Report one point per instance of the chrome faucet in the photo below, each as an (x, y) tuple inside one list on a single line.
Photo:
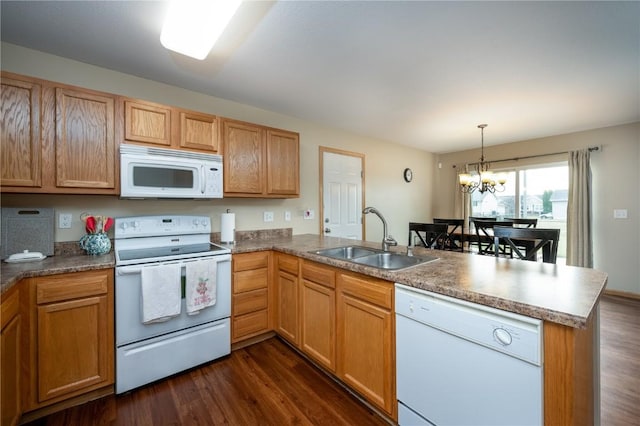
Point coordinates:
[(387, 240)]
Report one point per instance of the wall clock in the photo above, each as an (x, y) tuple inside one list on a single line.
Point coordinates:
[(408, 175)]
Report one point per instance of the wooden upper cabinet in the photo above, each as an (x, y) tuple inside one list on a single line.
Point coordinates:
[(164, 126), (243, 145), (85, 139), (283, 163), (147, 122), (20, 136), (199, 131), (259, 161)]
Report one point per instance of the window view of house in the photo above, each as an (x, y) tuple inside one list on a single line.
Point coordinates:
[(534, 192)]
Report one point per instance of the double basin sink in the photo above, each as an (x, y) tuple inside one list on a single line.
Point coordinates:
[(373, 257)]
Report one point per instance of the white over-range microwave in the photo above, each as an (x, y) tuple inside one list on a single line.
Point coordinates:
[(168, 173)]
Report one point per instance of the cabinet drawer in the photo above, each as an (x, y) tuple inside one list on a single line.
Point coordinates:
[(246, 261), (250, 301), (250, 280), (319, 274), (372, 290), (288, 263), (252, 323), (71, 286)]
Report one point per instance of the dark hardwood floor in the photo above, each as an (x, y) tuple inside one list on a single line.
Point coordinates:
[(264, 384), (270, 384), (620, 361)]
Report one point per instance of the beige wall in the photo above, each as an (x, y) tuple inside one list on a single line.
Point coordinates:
[(616, 182), (384, 186)]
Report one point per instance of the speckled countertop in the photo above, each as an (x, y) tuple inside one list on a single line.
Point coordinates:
[(11, 273), (561, 294)]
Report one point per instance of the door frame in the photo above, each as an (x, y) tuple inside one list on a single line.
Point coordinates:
[(321, 151)]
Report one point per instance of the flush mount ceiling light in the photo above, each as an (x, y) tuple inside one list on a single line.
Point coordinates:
[(484, 179), (192, 27)]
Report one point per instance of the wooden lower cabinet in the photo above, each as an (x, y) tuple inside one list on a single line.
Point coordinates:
[(366, 339), (10, 355), (287, 294), (250, 306), (318, 313), (71, 335)]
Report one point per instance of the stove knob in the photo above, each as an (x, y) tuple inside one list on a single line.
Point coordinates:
[(204, 222), (136, 224), (195, 222)]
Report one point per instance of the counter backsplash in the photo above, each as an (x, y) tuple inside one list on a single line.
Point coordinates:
[(67, 248)]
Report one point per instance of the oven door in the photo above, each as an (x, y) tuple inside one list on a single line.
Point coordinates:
[(129, 326)]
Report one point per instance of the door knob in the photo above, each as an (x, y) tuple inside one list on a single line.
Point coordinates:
[(327, 230)]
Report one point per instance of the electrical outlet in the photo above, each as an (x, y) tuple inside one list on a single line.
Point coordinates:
[(64, 220), (287, 216), (268, 216)]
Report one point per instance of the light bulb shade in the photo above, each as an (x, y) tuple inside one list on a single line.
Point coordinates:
[(465, 179), (192, 27), (486, 176)]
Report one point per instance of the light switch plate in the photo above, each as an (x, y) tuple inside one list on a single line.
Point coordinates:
[(309, 214), (619, 213), (287, 216)]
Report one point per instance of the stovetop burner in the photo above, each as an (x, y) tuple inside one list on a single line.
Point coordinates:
[(144, 239)]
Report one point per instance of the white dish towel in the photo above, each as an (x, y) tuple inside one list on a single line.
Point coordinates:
[(161, 293), (200, 289)]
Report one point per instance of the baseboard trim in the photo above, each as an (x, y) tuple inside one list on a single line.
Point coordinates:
[(625, 294)]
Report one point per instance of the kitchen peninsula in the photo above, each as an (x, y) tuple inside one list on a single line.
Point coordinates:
[(564, 298)]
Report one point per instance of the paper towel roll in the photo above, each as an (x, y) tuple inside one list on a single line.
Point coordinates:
[(228, 228)]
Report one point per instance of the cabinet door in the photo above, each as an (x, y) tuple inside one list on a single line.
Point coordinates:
[(199, 131), (72, 346), (283, 171), (10, 361), (85, 142), (74, 339), (147, 122), (365, 342), (287, 299), (243, 145), (318, 323), (20, 140)]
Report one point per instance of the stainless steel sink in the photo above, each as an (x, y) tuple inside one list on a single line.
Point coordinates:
[(347, 252), (392, 260), (373, 257)]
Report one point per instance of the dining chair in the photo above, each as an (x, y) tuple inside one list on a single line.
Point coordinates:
[(431, 235), (455, 233), (529, 240), (484, 236), (519, 222)]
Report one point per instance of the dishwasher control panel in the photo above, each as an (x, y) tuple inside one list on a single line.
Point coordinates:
[(513, 334)]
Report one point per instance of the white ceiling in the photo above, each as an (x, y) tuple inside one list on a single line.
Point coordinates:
[(423, 74)]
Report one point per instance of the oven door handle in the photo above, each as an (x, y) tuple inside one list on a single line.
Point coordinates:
[(137, 269)]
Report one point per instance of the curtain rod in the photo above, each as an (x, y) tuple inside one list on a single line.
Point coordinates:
[(591, 149)]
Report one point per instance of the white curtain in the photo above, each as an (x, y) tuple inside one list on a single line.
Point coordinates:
[(579, 244)]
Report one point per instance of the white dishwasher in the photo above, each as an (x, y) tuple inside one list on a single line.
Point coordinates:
[(460, 363)]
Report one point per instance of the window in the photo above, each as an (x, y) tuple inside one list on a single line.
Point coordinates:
[(530, 192)]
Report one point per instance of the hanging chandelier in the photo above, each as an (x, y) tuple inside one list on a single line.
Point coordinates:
[(483, 179)]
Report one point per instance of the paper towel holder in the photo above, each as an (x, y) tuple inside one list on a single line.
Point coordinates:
[(228, 227)]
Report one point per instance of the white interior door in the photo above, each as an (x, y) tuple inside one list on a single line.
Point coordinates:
[(342, 195)]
